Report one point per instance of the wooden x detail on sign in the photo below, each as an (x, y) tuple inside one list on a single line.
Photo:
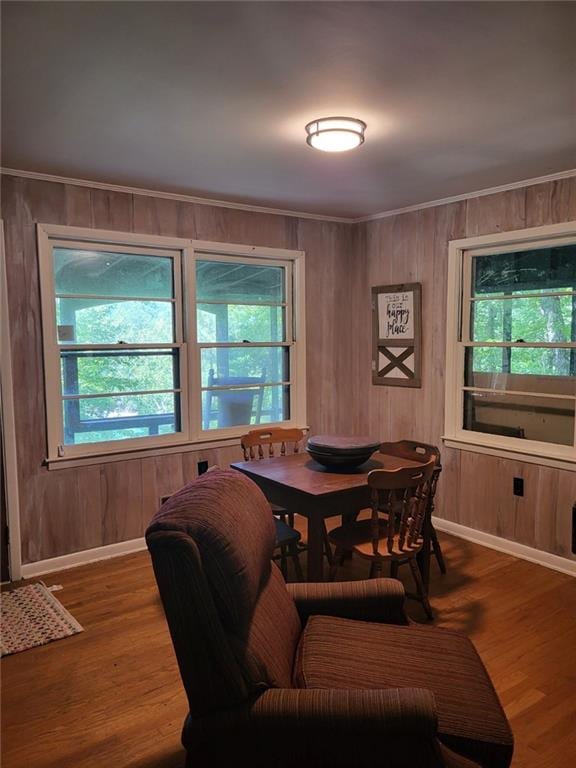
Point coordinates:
[(396, 361)]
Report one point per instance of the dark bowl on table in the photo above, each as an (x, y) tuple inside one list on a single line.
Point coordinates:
[(340, 452)]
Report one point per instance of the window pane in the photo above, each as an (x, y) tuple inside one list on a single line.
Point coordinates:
[(503, 382), (237, 322), (240, 365), (90, 373), (252, 405), (98, 419), (534, 418), (548, 318), (532, 271), (112, 274), (101, 321), (234, 282), (527, 361)]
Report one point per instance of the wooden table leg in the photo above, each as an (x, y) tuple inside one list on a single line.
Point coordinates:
[(315, 548)]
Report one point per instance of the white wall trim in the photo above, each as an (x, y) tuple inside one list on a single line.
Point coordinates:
[(62, 563), (170, 195), (548, 560), (67, 462), (279, 211), (8, 424), (467, 195)]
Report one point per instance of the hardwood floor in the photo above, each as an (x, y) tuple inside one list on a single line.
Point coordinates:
[(111, 696)]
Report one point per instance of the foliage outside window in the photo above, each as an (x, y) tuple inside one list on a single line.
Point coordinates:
[(119, 368), (514, 365), (244, 349), (148, 345)]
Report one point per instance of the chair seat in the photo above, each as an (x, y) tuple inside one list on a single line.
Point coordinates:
[(357, 537), (285, 534), (342, 653)]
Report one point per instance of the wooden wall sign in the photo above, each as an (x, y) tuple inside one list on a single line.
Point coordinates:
[(396, 335)]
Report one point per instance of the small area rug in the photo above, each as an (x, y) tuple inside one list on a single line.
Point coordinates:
[(32, 616)]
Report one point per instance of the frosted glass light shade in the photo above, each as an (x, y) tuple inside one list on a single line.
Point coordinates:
[(335, 134)]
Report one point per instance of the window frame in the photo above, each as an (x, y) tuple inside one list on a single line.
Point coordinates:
[(184, 253), (295, 327), (460, 255)]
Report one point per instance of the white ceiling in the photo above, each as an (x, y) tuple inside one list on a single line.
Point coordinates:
[(211, 99)]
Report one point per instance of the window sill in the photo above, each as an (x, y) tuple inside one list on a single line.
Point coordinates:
[(68, 462), (530, 454), (198, 446)]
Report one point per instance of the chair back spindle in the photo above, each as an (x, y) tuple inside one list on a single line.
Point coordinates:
[(262, 442), (404, 494)]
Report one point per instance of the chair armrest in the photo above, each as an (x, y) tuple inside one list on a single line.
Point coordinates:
[(380, 600)]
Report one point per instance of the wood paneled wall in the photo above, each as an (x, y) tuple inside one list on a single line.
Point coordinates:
[(476, 489), (69, 510)]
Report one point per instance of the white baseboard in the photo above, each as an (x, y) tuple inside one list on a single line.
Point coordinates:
[(30, 570), (548, 560), (555, 562)]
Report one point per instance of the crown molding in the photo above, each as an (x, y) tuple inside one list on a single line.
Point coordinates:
[(279, 211), (171, 196), (468, 195)]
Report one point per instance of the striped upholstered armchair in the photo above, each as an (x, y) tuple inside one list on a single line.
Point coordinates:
[(307, 674)]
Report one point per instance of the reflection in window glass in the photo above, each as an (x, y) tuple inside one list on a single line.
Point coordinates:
[(244, 406), (235, 282), (533, 271), (97, 273), (544, 419)]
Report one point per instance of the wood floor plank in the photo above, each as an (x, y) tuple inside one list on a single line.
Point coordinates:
[(112, 695)]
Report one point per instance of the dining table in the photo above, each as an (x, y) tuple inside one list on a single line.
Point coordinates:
[(305, 487)]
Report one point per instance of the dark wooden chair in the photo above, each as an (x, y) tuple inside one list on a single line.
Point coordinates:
[(267, 443), (399, 501), (415, 451), (288, 541)]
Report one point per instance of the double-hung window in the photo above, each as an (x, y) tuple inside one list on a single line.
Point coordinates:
[(244, 330), (511, 347), (152, 342)]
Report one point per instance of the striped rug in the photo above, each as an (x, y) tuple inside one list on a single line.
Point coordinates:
[(32, 616)]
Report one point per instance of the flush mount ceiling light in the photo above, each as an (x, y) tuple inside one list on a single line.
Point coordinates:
[(335, 134)]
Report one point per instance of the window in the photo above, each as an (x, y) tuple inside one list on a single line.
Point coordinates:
[(152, 342), (511, 356), (244, 340)]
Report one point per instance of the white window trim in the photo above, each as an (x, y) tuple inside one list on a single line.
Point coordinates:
[(184, 252), (295, 324), (454, 435)]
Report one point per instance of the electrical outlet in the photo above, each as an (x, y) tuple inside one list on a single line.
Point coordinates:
[(518, 486)]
